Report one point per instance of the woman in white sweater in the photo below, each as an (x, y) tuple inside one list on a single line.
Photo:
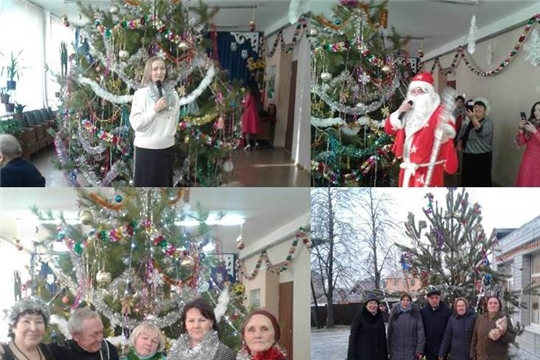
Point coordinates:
[(154, 117)]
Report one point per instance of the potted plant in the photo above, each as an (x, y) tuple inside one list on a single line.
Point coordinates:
[(4, 96), (19, 108), (10, 126), (13, 71), (10, 107)]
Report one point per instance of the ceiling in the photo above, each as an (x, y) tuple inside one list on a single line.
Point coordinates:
[(264, 210), (234, 15), (439, 22)]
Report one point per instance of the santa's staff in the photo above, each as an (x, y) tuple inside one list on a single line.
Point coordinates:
[(448, 106)]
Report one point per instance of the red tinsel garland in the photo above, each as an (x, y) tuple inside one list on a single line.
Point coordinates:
[(271, 354)]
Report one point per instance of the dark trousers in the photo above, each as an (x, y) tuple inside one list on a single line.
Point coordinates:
[(153, 167), (432, 357), (476, 170)]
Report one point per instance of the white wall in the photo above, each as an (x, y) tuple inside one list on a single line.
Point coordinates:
[(511, 91), (282, 61), (278, 244)]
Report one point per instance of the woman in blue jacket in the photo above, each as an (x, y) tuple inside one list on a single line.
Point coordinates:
[(459, 331)]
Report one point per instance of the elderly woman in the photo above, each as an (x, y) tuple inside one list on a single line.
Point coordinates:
[(260, 334), (459, 330), (28, 320), (475, 140), (199, 338), (146, 343), (368, 333), (492, 333), (406, 338)]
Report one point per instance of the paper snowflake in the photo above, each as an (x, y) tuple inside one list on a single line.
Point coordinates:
[(364, 78), (533, 47), (385, 111)]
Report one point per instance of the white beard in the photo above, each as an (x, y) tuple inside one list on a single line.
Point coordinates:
[(424, 105)]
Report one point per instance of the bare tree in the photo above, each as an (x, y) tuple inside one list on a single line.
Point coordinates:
[(334, 242), (378, 230)]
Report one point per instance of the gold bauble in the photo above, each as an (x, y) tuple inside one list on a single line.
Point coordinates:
[(114, 9), (386, 68), (183, 45), (86, 217), (187, 262), (103, 277)]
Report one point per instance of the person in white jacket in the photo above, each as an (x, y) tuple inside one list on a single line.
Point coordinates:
[(154, 117)]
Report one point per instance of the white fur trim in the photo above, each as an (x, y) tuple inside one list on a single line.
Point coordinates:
[(486, 102), (423, 85)]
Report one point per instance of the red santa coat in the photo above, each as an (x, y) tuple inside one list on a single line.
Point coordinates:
[(415, 149)]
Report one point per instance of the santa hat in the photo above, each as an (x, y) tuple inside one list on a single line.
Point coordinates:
[(423, 80)]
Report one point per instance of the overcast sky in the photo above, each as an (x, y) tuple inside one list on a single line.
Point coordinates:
[(501, 207)]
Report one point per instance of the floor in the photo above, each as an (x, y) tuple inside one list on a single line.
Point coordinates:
[(265, 167)]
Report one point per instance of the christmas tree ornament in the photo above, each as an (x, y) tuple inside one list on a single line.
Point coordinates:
[(118, 198), (114, 9), (187, 262), (313, 32), (86, 217), (326, 76), (228, 166), (123, 55), (386, 68), (103, 278), (240, 243), (252, 25), (183, 45)]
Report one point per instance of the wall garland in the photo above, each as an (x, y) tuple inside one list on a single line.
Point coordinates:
[(460, 54)]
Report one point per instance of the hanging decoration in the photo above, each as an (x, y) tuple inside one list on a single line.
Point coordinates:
[(301, 27), (460, 54), (533, 47), (301, 235), (471, 39)]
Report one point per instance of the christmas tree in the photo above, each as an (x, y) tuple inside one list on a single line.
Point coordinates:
[(358, 79), (95, 139), (134, 259), (452, 252)]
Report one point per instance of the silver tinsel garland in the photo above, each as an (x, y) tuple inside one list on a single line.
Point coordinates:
[(205, 350), (32, 304)]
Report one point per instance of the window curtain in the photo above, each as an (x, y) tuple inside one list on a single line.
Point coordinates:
[(22, 28), (234, 49)]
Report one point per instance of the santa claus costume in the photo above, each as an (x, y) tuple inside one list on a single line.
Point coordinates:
[(415, 135)]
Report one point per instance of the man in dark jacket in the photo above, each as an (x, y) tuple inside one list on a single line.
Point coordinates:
[(14, 170), (435, 316), (86, 328)]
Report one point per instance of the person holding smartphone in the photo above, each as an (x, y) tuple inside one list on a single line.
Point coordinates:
[(529, 136)]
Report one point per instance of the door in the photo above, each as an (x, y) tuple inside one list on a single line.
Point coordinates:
[(292, 106), (286, 317)]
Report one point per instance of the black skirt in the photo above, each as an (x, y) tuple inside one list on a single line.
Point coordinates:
[(476, 170), (153, 168)]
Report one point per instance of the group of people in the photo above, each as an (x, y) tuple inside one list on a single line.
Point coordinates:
[(198, 340), (434, 332), (418, 129)]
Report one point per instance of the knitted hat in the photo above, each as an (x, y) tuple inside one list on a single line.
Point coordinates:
[(371, 297)]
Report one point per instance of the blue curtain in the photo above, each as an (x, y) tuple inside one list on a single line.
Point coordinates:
[(234, 49)]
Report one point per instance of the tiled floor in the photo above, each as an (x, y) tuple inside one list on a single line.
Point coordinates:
[(256, 168)]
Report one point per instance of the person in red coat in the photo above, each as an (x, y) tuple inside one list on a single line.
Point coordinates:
[(414, 124), (250, 116)]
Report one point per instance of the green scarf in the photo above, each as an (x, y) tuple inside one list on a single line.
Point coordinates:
[(132, 355)]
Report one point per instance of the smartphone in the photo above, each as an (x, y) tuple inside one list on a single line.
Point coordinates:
[(523, 116), (470, 105)]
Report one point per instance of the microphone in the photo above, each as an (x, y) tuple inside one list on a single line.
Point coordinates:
[(159, 86), (402, 114)]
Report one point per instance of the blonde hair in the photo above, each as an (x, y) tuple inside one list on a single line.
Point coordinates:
[(145, 326), (148, 69)]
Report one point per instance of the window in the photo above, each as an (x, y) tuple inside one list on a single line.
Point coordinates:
[(535, 299)]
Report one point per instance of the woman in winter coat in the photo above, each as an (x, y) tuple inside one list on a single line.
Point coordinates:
[(459, 330), (492, 333), (368, 334), (406, 338)]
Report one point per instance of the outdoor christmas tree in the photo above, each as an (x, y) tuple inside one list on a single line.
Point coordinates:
[(452, 252), (358, 78), (133, 260), (95, 139)]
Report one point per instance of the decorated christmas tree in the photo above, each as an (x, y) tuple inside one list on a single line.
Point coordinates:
[(134, 259), (358, 78), (95, 140), (452, 252)]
